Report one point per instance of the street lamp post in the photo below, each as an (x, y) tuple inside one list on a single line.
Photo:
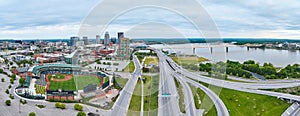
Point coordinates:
[(20, 106)]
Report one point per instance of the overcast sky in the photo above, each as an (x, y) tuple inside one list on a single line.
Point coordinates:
[(37, 19)]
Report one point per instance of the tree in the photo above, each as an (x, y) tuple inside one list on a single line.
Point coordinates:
[(7, 102), (11, 96), (7, 91), (81, 113), (9, 86), (12, 81), (31, 114), (22, 81), (13, 76), (2, 79), (78, 107)]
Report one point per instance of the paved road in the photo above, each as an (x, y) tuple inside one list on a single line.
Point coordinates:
[(263, 81), (168, 97), (247, 87), (17, 109), (220, 106), (190, 108), (189, 102), (293, 110), (120, 108)]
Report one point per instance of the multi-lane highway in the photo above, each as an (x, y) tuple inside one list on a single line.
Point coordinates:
[(247, 87), (190, 107), (121, 106), (168, 96), (220, 106), (189, 101)]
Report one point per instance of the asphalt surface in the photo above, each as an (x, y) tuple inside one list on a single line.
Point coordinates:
[(246, 87), (120, 108), (220, 106), (190, 107), (168, 104)]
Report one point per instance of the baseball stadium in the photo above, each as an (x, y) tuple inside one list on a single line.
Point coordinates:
[(63, 82)]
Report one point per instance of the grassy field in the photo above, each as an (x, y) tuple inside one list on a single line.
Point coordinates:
[(135, 102), (65, 85), (181, 96), (188, 60), (130, 67), (242, 103), (121, 81), (151, 95), (205, 102), (83, 81), (151, 60)]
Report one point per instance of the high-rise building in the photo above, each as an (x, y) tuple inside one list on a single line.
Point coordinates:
[(97, 39), (120, 35), (106, 39), (124, 49), (85, 40), (73, 40), (79, 43), (113, 40)]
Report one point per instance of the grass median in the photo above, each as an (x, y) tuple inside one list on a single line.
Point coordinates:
[(202, 101), (151, 85), (181, 96), (135, 102), (130, 67)]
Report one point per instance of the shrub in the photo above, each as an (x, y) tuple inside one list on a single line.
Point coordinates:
[(31, 114), (40, 106), (7, 102), (60, 105), (23, 101), (78, 107), (81, 113), (98, 62), (57, 105)]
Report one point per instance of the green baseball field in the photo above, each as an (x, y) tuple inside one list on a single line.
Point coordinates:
[(80, 80)]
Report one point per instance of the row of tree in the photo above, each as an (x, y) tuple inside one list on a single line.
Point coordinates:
[(243, 69)]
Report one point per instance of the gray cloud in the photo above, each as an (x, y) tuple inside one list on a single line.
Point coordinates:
[(234, 18)]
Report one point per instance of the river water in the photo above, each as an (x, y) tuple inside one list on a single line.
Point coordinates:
[(278, 58)]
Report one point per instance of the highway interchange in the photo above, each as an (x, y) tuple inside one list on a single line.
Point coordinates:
[(247, 87), (168, 99)]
